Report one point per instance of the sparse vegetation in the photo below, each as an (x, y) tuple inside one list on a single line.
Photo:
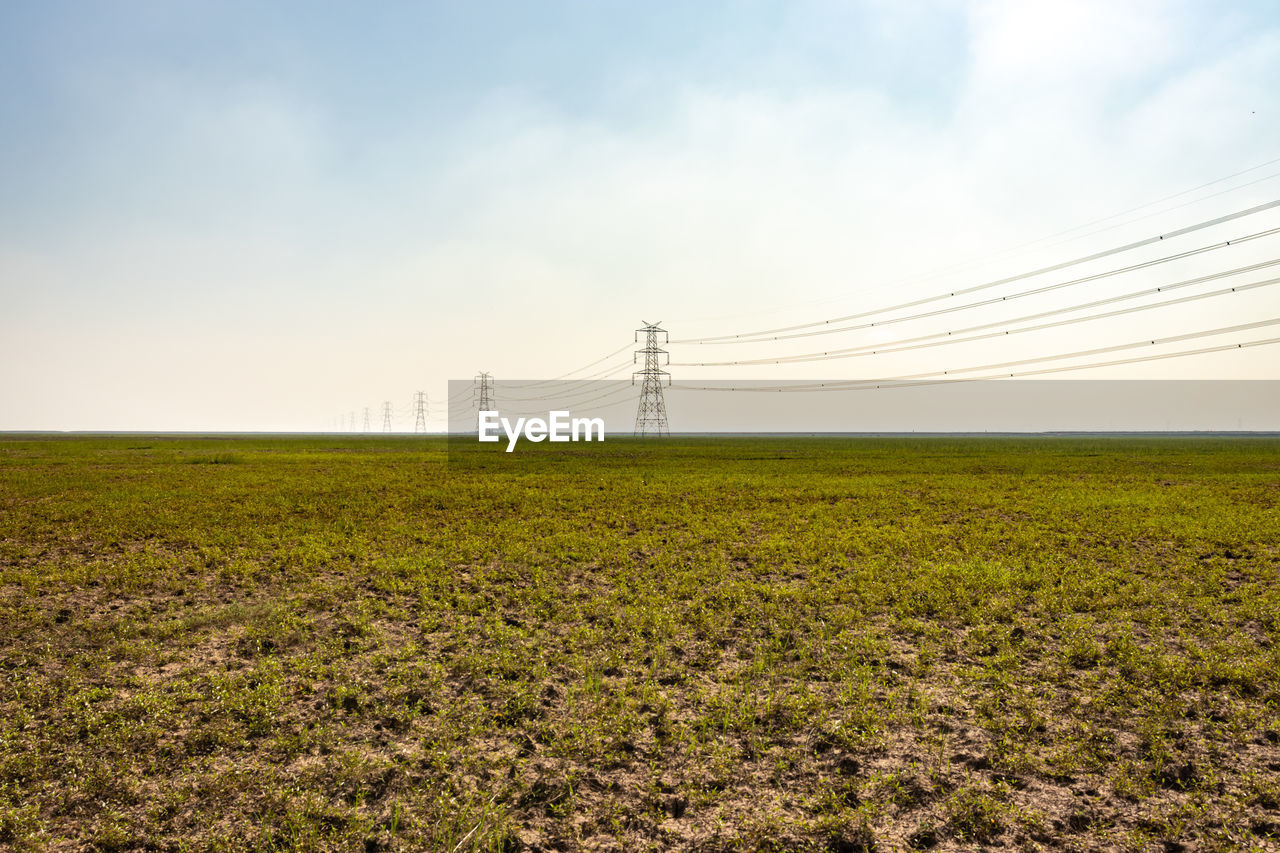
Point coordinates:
[(750, 644)]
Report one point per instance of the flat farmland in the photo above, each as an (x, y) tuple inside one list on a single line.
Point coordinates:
[(827, 644)]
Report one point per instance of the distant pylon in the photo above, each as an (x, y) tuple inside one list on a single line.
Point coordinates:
[(651, 416), (353, 420), (420, 411), (484, 395), (366, 418), (386, 416)]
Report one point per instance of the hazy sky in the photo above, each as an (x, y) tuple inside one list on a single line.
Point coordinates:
[(220, 215)]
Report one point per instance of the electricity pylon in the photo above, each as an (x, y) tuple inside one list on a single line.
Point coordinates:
[(484, 393), (366, 418), (651, 416), (420, 411), (353, 420), (386, 416)]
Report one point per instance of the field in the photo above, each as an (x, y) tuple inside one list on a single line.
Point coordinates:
[(694, 644)]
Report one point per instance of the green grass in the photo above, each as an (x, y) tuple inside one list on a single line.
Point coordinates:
[(746, 644)]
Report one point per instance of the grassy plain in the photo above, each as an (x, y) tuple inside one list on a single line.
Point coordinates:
[(750, 644)]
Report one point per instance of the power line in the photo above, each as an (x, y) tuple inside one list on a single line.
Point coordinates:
[(979, 261), (1172, 197), (890, 384), (837, 385), (619, 395), (609, 370), (1078, 307), (1119, 347), (580, 369), (591, 388), (997, 300), (948, 338), (549, 394), (969, 265), (1270, 177), (1142, 358), (593, 377), (997, 282)]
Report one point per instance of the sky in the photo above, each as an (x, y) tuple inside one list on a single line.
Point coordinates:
[(269, 216)]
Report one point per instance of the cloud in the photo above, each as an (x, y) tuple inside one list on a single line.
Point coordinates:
[(280, 237)]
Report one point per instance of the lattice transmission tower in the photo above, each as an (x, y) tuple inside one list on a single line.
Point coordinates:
[(420, 411), (651, 416), (484, 395), (484, 391), (366, 418), (386, 416)]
